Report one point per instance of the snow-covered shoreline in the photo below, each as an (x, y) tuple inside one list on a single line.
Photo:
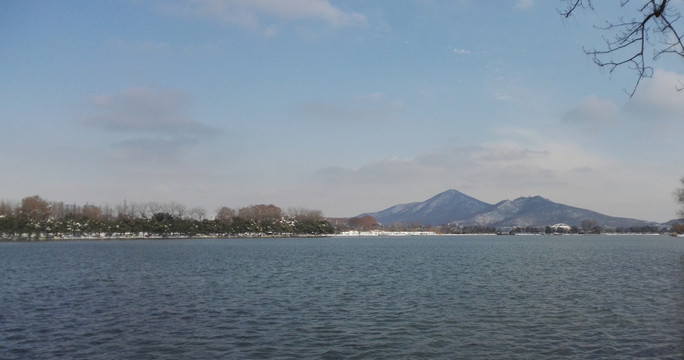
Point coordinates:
[(354, 233)]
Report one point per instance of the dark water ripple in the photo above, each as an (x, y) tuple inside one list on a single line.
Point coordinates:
[(415, 298)]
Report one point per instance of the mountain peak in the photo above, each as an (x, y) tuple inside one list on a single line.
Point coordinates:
[(451, 192), (445, 207), (530, 198)]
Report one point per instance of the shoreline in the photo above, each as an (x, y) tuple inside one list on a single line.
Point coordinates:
[(23, 239), (155, 237)]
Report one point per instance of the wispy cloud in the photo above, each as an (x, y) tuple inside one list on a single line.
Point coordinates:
[(150, 125), (462, 51), (144, 110), (252, 14), (483, 167)]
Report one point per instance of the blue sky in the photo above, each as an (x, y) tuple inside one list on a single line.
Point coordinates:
[(342, 106)]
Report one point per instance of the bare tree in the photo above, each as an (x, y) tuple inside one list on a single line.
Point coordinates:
[(302, 214), (137, 210), (225, 215), (198, 213), (679, 195), (6, 208), (107, 212), (261, 212), (59, 210), (151, 208), (92, 212), (35, 208), (364, 223), (636, 41), (176, 209), (125, 211)]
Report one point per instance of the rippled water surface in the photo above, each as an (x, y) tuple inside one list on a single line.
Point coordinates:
[(332, 298)]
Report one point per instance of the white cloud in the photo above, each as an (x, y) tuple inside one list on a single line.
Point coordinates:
[(650, 121), (250, 14), (657, 97), (462, 52)]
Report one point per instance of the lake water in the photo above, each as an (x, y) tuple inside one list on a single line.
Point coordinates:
[(345, 298)]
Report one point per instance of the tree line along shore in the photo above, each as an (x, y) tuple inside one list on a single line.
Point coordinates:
[(37, 219)]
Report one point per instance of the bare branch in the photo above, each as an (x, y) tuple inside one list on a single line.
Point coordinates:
[(574, 4), (571, 8), (631, 38)]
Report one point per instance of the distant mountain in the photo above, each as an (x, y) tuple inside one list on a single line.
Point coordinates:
[(673, 222), (454, 207), (446, 207), (538, 211)]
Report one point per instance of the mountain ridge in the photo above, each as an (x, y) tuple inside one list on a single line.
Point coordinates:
[(456, 208)]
